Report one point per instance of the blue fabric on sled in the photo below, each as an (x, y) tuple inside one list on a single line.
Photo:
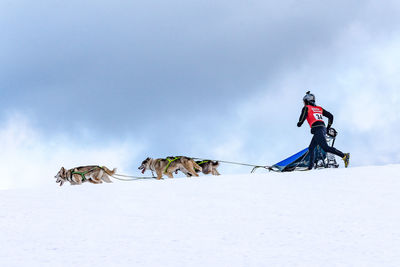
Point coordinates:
[(291, 159)]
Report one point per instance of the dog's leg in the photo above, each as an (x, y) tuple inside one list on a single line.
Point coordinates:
[(215, 172), (106, 179), (183, 169), (169, 174), (96, 181), (188, 174), (214, 166), (196, 166), (98, 175), (77, 179), (108, 171), (159, 174), (190, 168)]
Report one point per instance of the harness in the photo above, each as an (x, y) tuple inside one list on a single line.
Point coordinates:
[(169, 162), (86, 172), (201, 162)]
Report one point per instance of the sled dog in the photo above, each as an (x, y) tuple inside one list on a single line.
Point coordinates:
[(208, 166), (78, 175), (169, 165)]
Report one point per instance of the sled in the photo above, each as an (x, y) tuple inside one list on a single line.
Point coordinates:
[(300, 161)]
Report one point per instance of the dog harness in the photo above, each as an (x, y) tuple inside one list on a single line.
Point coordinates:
[(201, 162), (86, 172), (169, 162)]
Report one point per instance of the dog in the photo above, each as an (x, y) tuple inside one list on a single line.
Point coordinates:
[(208, 166), (78, 175), (169, 165)]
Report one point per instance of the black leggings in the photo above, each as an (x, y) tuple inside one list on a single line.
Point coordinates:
[(319, 139)]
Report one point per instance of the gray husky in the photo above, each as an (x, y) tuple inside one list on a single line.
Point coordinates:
[(78, 175)]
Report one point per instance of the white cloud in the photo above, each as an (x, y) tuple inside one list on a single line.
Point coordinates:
[(30, 158)]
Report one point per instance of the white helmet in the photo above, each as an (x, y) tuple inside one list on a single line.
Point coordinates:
[(309, 99)]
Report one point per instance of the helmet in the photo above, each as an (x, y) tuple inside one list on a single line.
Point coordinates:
[(309, 99)]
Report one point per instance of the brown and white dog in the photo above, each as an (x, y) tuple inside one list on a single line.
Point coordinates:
[(93, 174), (169, 165)]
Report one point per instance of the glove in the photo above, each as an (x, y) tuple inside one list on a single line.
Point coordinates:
[(299, 124), (328, 127)]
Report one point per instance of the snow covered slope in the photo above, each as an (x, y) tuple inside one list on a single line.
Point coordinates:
[(343, 217)]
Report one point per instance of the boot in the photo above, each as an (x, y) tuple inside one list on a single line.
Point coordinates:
[(346, 159)]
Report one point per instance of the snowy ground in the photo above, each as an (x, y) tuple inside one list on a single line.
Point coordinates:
[(344, 217)]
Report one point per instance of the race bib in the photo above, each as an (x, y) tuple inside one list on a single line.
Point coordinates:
[(318, 117)]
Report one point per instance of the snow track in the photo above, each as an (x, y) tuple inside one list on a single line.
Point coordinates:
[(332, 217)]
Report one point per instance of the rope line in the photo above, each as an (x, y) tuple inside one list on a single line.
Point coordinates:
[(131, 178), (134, 178), (241, 164), (232, 162)]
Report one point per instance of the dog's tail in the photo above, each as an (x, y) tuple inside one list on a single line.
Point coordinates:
[(108, 171)]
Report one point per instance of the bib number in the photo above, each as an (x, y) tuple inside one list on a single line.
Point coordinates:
[(318, 117)]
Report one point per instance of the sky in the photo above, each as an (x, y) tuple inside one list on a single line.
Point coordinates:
[(113, 82)]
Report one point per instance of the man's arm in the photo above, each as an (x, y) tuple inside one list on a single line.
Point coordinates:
[(329, 116), (303, 116)]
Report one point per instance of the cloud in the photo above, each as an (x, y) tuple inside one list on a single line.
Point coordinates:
[(198, 78), (31, 158), (115, 60)]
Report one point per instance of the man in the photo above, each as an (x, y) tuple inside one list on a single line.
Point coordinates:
[(314, 114)]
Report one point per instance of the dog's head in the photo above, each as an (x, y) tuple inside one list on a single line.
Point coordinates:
[(145, 165), (61, 176)]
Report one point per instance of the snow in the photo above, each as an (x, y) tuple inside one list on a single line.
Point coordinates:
[(333, 217)]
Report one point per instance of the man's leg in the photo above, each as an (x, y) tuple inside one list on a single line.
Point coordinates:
[(324, 145), (311, 148), (321, 141)]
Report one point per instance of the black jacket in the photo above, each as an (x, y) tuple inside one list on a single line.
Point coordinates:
[(303, 117)]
